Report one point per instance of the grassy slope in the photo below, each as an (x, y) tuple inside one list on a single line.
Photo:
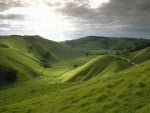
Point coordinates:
[(40, 46), (124, 92), (26, 66), (102, 65), (120, 87), (107, 65), (139, 56), (104, 44), (14, 53)]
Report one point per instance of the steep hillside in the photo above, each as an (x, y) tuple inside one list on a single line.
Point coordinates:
[(75, 83), (124, 92), (37, 46), (25, 54), (104, 44), (102, 65), (26, 66), (107, 65), (139, 56)]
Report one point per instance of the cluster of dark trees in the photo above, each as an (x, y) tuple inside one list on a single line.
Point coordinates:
[(46, 57), (7, 75), (135, 47), (138, 46), (75, 66), (30, 48)]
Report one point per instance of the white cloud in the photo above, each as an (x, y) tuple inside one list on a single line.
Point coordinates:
[(97, 3), (64, 19), (40, 19)]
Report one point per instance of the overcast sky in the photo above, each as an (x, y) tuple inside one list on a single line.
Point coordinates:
[(68, 19)]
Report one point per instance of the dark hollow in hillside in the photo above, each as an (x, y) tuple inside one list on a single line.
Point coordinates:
[(7, 75)]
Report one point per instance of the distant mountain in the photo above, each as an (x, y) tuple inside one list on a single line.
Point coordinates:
[(104, 85), (105, 44), (76, 83)]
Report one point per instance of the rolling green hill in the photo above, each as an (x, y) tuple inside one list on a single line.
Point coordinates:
[(124, 92), (100, 45), (99, 84), (97, 67), (37, 46), (24, 53), (139, 56)]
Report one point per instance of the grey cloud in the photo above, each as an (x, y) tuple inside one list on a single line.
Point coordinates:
[(6, 4), (52, 4), (115, 18), (11, 27), (11, 17), (126, 7), (4, 25), (75, 9), (115, 8), (128, 14), (85, 15)]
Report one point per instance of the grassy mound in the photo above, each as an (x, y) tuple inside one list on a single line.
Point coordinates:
[(139, 56), (97, 67), (124, 92), (25, 54), (37, 46), (105, 84)]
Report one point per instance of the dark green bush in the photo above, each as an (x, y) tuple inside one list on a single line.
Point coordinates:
[(7, 74)]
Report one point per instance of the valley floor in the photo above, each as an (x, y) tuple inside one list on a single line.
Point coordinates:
[(76, 82), (126, 91)]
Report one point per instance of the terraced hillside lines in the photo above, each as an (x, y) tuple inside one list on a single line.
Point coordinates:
[(98, 66), (139, 56)]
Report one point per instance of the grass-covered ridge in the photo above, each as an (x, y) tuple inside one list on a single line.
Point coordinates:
[(112, 83), (25, 54), (139, 56), (124, 92), (37, 46), (101, 45), (102, 65)]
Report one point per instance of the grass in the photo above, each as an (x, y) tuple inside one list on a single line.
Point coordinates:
[(101, 84), (102, 45), (101, 65), (139, 56), (127, 91), (15, 53), (26, 65)]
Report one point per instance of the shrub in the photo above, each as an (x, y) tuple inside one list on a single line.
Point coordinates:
[(101, 98), (30, 48), (46, 57), (7, 74), (141, 85), (75, 66)]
